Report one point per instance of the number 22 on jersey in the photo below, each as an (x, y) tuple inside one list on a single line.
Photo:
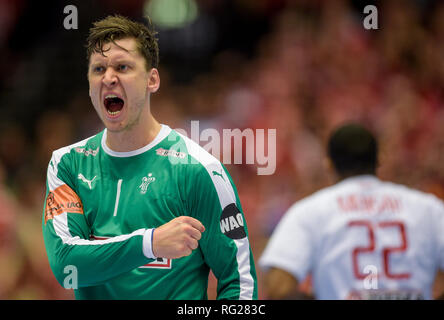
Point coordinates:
[(385, 226)]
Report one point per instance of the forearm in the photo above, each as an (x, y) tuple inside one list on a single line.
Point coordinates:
[(96, 261), (281, 285)]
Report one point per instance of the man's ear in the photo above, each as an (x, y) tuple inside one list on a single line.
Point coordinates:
[(153, 80)]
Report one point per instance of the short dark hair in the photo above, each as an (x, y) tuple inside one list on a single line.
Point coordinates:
[(353, 150), (118, 27)]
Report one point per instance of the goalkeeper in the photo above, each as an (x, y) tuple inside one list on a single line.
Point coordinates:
[(139, 210)]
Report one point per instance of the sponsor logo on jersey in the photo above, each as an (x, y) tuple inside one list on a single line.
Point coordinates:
[(173, 153), (146, 181), (62, 199), (232, 222), (87, 152), (88, 182), (215, 173)]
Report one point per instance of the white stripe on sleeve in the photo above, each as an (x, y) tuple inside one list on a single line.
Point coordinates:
[(226, 196)]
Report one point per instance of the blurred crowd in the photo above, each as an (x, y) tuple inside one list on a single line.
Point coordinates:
[(316, 68)]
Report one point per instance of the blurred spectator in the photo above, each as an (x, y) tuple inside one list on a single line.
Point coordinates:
[(11, 258)]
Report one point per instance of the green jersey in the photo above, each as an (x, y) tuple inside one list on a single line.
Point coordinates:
[(102, 206)]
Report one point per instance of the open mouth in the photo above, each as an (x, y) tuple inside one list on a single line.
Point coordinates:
[(113, 104)]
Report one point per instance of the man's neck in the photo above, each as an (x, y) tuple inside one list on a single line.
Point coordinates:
[(346, 176), (135, 138)]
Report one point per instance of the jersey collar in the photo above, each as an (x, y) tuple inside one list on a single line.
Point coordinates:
[(163, 133), (365, 179)]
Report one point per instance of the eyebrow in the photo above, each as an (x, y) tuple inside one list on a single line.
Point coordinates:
[(113, 62)]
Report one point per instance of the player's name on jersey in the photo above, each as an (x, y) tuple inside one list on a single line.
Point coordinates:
[(368, 204)]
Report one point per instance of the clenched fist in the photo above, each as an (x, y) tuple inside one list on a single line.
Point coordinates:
[(177, 238)]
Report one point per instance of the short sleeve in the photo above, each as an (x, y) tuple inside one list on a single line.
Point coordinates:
[(290, 247)]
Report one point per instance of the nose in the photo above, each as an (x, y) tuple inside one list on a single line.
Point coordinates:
[(110, 78)]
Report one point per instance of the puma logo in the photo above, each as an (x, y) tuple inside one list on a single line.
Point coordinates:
[(215, 173), (89, 182)]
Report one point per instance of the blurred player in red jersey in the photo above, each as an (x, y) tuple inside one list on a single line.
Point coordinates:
[(361, 238)]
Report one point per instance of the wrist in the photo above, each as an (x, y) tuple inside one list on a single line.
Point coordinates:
[(148, 244)]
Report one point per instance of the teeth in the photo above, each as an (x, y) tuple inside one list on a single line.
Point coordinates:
[(110, 96), (113, 113)]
